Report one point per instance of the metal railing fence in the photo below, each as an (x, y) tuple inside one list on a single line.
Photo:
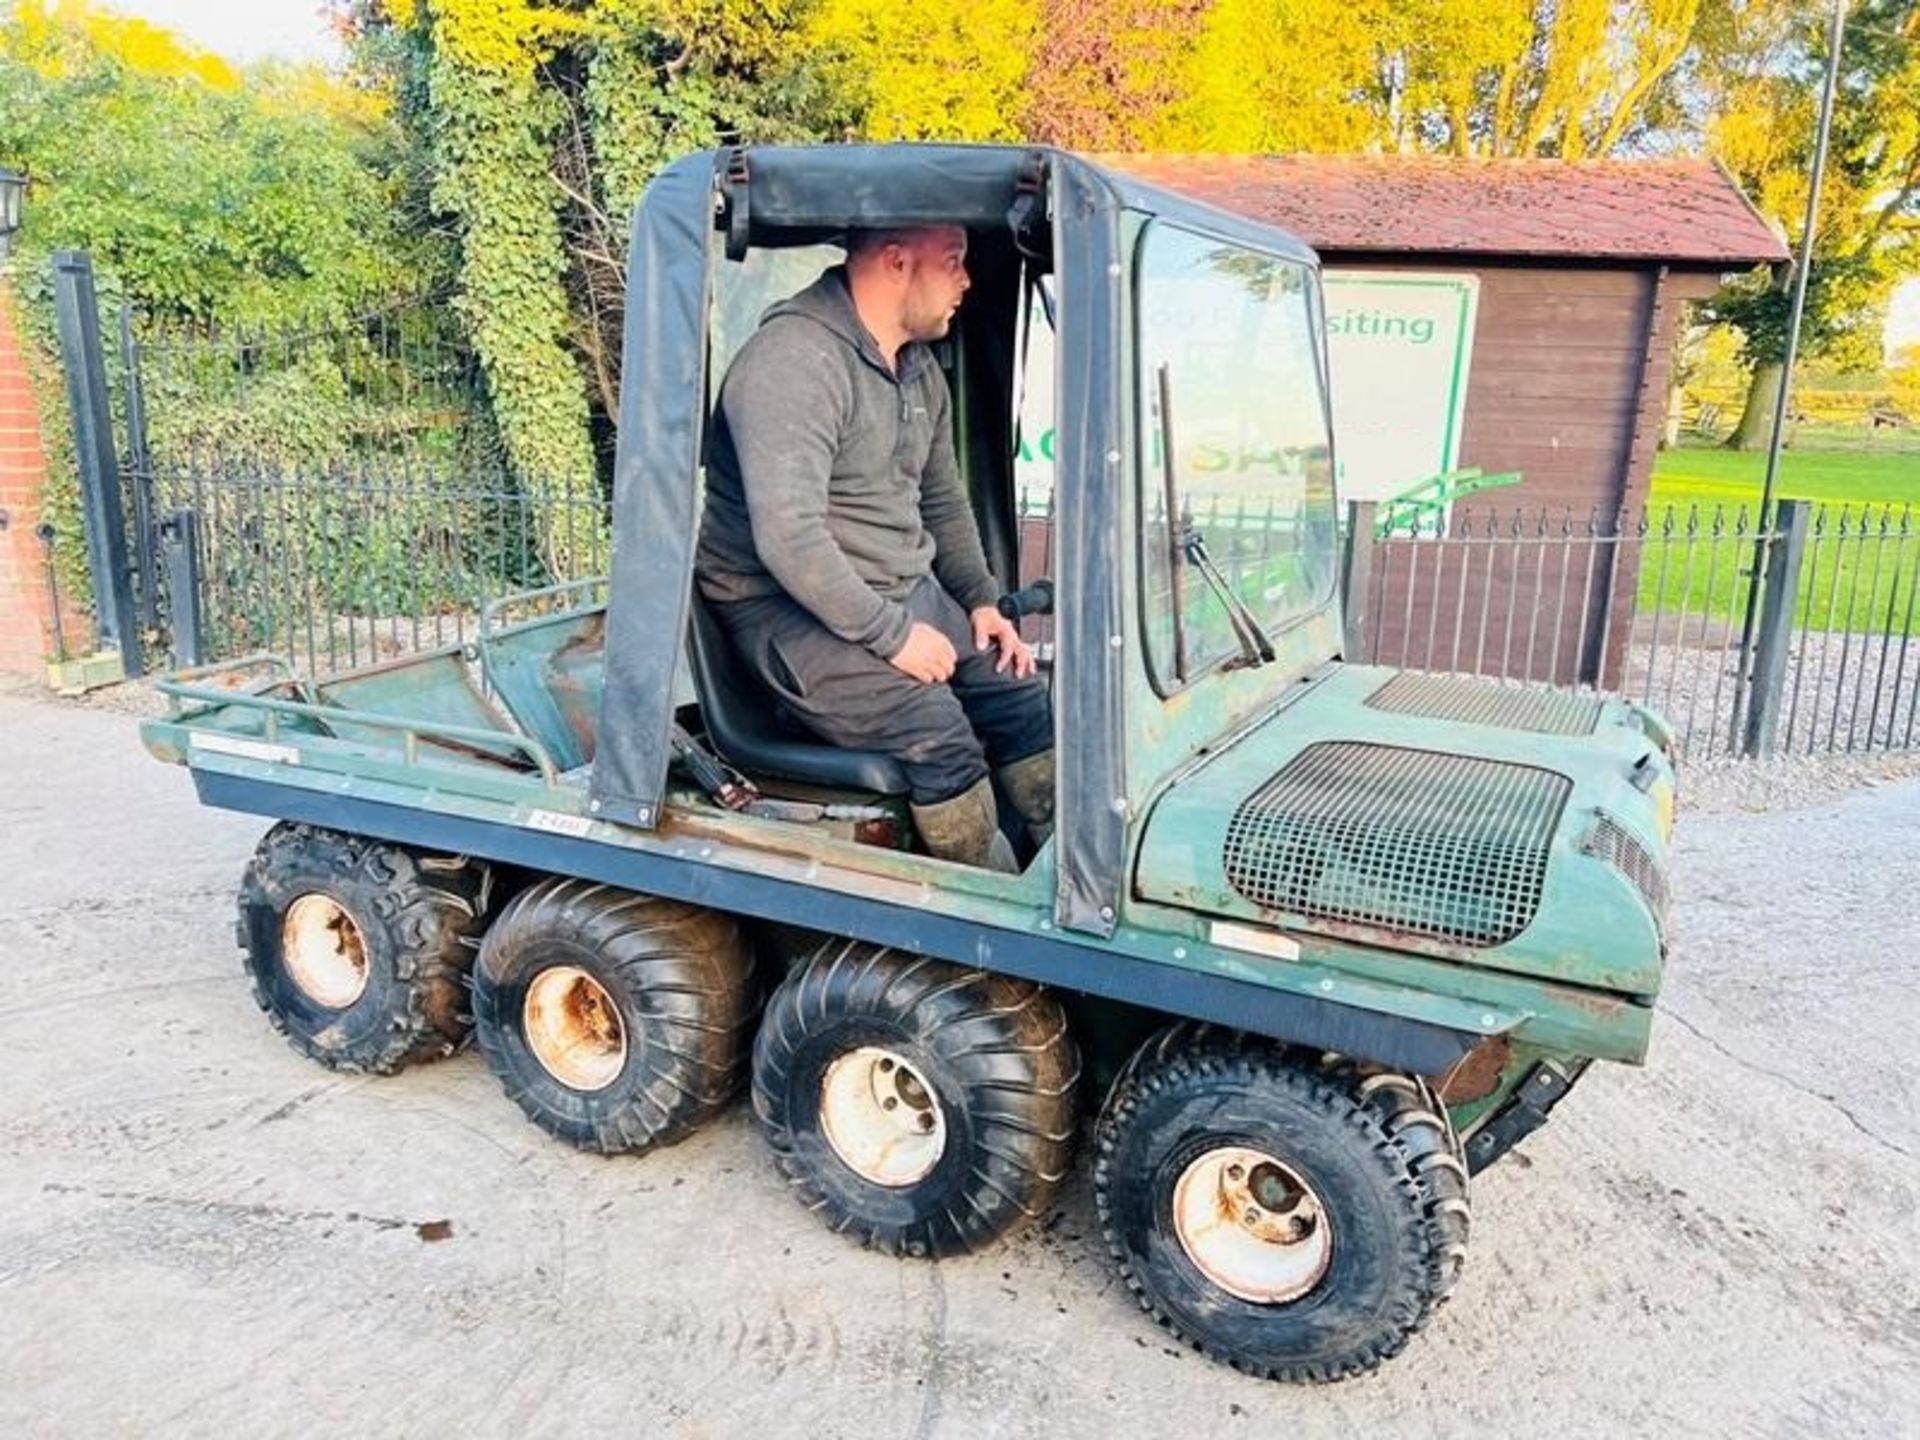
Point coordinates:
[(331, 488), (1655, 605), (361, 563)]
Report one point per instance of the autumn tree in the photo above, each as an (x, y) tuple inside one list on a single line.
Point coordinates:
[(1566, 78), (202, 192), (1761, 107), (1103, 71), (919, 71)]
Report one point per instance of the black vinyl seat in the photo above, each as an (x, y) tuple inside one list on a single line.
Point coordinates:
[(751, 730)]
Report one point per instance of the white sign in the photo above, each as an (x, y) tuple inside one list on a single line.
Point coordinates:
[(1399, 346), (556, 823)]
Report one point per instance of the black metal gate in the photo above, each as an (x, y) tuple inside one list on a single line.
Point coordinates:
[(327, 489)]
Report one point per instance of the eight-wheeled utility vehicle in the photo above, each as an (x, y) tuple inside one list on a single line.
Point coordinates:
[(1310, 943)]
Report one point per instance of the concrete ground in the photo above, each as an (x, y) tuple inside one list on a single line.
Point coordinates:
[(203, 1234)]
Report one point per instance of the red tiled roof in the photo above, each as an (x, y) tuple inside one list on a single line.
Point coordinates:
[(1679, 211)]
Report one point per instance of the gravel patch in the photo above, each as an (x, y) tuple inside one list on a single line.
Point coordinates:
[(1842, 693)]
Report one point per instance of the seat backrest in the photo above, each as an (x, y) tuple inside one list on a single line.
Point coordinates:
[(744, 720)]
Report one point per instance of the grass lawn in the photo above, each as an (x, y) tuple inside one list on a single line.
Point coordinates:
[(1709, 477), (1856, 567)]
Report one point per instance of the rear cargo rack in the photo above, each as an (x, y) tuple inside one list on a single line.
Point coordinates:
[(190, 694)]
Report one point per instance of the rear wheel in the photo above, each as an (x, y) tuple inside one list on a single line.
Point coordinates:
[(921, 1107), (1286, 1214), (617, 1021), (358, 950)]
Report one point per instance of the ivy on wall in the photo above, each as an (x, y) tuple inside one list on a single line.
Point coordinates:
[(492, 126), (540, 126)]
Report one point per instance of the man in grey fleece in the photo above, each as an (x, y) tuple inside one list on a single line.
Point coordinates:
[(839, 551)]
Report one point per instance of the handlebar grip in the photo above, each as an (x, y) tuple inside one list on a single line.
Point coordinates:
[(1035, 599)]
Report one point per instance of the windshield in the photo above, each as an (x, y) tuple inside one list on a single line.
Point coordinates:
[(1229, 369)]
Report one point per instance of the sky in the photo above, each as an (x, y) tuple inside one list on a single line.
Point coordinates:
[(1903, 320), (243, 30)]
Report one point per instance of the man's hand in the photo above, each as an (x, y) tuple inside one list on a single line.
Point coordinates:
[(928, 656), (990, 627)]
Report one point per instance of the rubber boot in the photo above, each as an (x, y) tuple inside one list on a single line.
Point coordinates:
[(966, 830), (1029, 785)]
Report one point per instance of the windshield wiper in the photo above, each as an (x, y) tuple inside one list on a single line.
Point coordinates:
[(1256, 646), (1189, 547)]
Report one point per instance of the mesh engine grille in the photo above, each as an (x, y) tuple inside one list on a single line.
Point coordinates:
[(1489, 702), (1612, 843), (1446, 846)]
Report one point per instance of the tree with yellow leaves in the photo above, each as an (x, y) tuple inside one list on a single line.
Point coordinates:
[(201, 193), (1761, 104)]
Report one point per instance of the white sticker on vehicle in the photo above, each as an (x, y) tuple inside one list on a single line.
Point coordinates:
[(578, 826), (246, 749), (1254, 940)]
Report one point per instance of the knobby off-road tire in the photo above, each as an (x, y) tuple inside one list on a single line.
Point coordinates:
[(919, 1107), (616, 1021), (358, 950), (1385, 1190)]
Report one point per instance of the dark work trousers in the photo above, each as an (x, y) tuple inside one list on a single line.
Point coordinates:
[(944, 736)]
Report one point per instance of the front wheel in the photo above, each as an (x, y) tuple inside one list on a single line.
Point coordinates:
[(1289, 1215)]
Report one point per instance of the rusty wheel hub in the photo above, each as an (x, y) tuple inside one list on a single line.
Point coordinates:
[(574, 1028), (1252, 1225), (881, 1117), (323, 951)]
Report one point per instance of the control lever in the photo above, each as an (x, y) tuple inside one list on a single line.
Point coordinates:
[(1035, 599)]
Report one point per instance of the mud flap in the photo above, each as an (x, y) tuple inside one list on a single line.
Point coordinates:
[(1526, 1111)]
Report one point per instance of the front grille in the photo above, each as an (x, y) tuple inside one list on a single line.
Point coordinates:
[(1446, 846), (1489, 702), (1613, 843)]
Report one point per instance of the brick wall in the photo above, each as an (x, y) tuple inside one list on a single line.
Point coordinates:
[(26, 626)]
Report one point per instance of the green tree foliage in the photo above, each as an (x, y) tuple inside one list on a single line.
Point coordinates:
[(534, 127), (206, 196), (660, 81), (203, 195), (492, 129)]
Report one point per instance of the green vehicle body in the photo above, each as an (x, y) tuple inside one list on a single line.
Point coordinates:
[(486, 749)]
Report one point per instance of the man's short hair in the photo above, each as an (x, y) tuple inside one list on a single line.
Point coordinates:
[(862, 243)]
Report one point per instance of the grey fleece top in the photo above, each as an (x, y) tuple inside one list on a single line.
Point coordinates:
[(833, 479)]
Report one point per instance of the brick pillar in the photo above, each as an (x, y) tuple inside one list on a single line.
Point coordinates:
[(26, 621)]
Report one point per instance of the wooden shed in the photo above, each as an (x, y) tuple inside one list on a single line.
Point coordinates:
[(1581, 273)]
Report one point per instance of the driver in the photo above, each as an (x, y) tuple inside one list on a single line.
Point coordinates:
[(839, 551)]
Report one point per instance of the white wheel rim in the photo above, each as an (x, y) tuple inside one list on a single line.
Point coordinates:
[(1251, 1225), (574, 1028), (323, 951), (881, 1117)]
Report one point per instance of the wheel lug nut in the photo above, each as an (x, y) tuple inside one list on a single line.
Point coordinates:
[(886, 1067), (1236, 1172), (926, 1121), (1252, 1218), (889, 1103)]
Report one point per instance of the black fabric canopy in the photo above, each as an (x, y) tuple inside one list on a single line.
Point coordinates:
[(1062, 213)]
